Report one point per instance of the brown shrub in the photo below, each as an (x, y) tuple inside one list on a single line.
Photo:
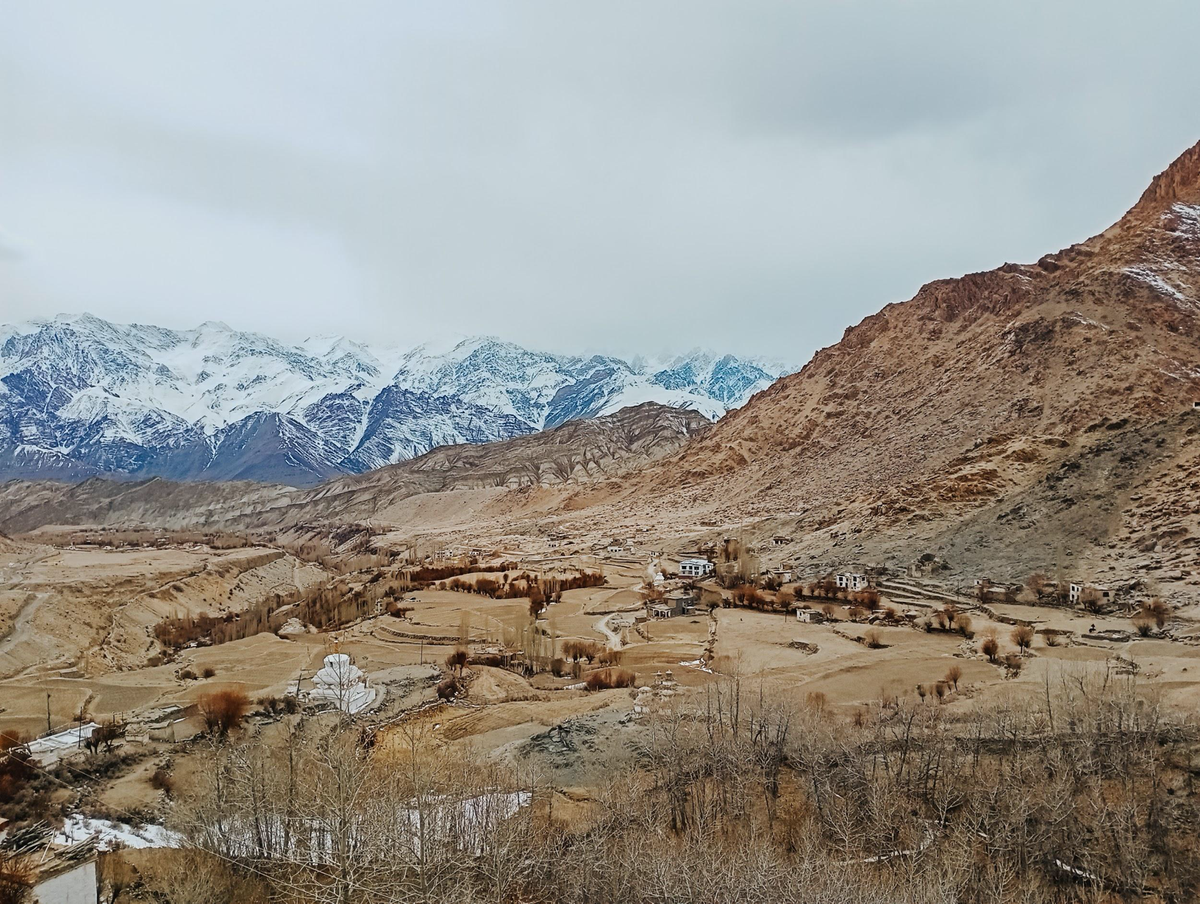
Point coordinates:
[(1022, 636), (989, 648), (208, 672), (16, 766), (1013, 665), (457, 660), (609, 657), (223, 710), (606, 678), (161, 780), (872, 639), (17, 878), (953, 674), (448, 688)]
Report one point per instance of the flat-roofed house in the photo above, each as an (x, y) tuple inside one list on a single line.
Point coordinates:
[(695, 568)]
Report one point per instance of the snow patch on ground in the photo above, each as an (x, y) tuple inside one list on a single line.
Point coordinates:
[(111, 835), (1156, 282)]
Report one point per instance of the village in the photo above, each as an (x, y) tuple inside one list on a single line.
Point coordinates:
[(506, 651)]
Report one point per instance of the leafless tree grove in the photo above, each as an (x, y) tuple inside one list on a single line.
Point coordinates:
[(736, 795)]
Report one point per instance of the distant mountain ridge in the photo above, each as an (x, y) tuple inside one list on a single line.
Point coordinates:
[(81, 396)]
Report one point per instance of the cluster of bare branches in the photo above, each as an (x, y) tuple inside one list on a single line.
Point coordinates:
[(736, 795)]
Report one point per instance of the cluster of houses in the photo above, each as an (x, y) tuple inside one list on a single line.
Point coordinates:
[(673, 605)]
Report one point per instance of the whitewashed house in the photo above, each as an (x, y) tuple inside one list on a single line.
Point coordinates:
[(695, 568), (1076, 593), (852, 580)]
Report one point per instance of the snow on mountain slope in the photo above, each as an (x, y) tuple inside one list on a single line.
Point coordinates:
[(80, 396)]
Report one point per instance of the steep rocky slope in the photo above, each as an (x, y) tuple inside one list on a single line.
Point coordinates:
[(973, 395), (1015, 360)]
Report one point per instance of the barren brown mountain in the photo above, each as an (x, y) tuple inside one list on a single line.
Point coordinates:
[(1032, 416), (577, 452)]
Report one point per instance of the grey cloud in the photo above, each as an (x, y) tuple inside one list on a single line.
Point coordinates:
[(632, 176)]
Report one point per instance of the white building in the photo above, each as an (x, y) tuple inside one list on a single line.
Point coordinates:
[(695, 568), (51, 748), (1076, 592), (66, 882), (852, 580), (341, 684)]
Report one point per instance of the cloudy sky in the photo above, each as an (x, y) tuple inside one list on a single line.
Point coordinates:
[(624, 176)]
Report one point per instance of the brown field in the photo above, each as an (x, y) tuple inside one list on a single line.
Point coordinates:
[(80, 629)]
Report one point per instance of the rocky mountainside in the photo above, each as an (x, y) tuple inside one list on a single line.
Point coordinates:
[(1042, 404), (80, 396), (573, 454), (1033, 417)]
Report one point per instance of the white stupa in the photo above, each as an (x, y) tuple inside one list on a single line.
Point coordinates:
[(342, 684)]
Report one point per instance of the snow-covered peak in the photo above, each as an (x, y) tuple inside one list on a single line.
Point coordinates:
[(81, 380)]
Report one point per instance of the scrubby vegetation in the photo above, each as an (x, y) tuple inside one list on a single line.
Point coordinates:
[(223, 710), (601, 679), (1083, 796)]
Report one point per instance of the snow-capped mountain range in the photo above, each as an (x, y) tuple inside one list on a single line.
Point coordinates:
[(80, 396)]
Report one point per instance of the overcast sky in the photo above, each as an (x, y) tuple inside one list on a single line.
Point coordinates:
[(623, 176)]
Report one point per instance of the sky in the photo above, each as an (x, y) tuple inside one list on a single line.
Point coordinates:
[(628, 177)]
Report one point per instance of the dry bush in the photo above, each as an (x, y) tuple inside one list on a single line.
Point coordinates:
[(1013, 664), (873, 640), (785, 597), (575, 650), (196, 877), (1022, 636), (608, 678), (1051, 638), (161, 780), (457, 661), (187, 675), (209, 672), (963, 623), (941, 689), (609, 657), (223, 710), (16, 766), (989, 648), (1143, 626), (448, 688), (17, 877), (1157, 611), (953, 674)]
